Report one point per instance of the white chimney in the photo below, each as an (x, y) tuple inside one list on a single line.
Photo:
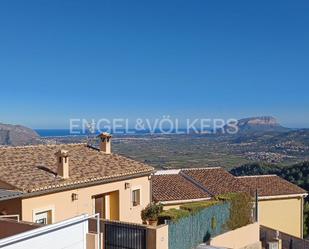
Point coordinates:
[(63, 163), (105, 142)]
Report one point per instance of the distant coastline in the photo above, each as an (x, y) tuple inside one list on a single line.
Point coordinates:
[(53, 132)]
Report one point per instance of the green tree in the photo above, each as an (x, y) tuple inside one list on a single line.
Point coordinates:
[(306, 219)]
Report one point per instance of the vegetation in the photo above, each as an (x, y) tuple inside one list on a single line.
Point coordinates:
[(173, 215), (151, 212), (185, 210), (306, 219), (240, 210), (198, 206), (194, 150)]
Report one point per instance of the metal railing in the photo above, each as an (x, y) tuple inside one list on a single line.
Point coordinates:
[(121, 235), (288, 241)]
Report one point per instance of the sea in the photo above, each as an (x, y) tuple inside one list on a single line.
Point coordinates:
[(54, 132), (67, 132)]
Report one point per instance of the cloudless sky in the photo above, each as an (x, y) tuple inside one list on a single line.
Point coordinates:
[(62, 59)]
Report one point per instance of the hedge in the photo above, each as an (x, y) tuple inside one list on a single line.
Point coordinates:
[(173, 215), (198, 206), (185, 210)]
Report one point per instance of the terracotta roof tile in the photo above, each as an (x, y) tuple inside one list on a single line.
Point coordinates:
[(270, 185), (174, 187), (216, 180), (33, 168), (188, 184)]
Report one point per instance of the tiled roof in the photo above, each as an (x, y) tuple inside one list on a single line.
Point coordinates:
[(270, 185), (190, 184), (172, 187), (216, 180), (33, 168)]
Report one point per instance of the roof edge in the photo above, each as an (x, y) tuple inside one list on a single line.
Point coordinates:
[(184, 201), (38, 145), (269, 175), (271, 197), (218, 167), (84, 184)]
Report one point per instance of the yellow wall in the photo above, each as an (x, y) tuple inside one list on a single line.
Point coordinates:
[(114, 205), (64, 208), (282, 214), (157, 237)]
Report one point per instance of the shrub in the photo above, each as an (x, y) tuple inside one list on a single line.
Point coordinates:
[(152, 211), (213, 223), (185, 211), (173, 215), (240, 209), (195, 207)]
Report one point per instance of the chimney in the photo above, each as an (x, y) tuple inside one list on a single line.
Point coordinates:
[(105, 142), (63, 163)]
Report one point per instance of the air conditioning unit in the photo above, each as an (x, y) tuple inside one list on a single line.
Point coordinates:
[(273, 245)]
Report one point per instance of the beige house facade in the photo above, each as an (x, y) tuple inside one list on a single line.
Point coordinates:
[(112, 200), (280, 203), (56, 182)]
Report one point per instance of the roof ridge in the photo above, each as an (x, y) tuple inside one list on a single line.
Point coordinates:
[(217, 167), (168, 172), (39, 145), (268, 175), (196, 183)]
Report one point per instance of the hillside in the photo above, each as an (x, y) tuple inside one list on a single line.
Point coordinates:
[(271, 144), (17, 135)]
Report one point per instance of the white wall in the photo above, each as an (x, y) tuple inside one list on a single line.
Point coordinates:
[(68, 234)]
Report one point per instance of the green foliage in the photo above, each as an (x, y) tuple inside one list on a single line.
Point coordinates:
[(213, 223), (151, 212), (173, 215), (185, 210), (306, 219), (227, 196), (195, 207), (240, 209)]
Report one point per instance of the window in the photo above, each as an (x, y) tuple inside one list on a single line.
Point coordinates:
[(136, 197), (43, 217)]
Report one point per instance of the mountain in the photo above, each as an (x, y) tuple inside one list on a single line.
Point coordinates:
[(17, 135), (260, 124)]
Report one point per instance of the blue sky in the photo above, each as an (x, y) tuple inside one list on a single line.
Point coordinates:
[(129, 59)]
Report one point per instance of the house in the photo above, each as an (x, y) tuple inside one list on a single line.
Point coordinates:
[(51, 183), (280, 203), (175, 187)]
